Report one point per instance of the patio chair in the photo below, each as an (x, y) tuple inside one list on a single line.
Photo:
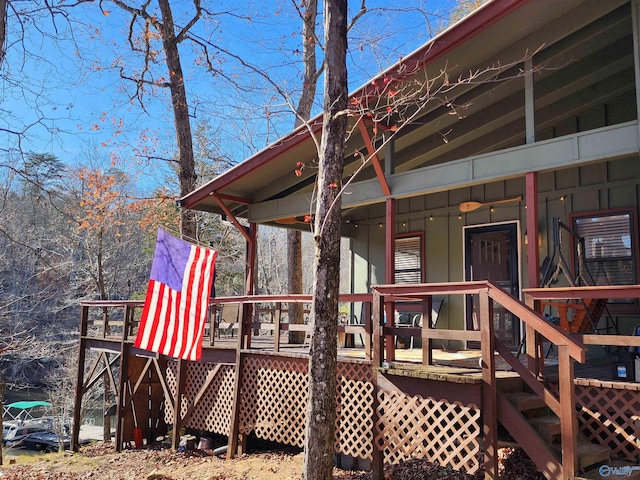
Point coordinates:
[(404, 320), (353, 321), (229, 315), (436, 306)]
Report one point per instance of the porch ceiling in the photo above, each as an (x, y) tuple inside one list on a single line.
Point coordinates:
[(585, 56)]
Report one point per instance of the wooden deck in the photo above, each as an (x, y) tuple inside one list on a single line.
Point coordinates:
[(392, 403)]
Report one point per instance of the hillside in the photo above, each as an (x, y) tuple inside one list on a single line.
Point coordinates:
[(99, 462)]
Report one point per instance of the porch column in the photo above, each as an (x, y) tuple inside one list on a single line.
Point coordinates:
[(533, 254), (389, 163), (489, 388), (533, 266), (390, 271), (635, 18), (250, 277), (252, 255), (529, 102)]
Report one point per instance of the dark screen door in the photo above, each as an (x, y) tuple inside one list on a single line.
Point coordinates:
[(491, 253)]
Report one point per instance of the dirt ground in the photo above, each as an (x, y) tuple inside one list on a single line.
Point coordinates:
[(100, 462)]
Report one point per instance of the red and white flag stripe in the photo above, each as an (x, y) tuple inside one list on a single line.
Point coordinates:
[(173, 321)]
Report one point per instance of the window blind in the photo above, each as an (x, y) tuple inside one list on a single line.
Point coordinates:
[(408, 260), (608, 251)]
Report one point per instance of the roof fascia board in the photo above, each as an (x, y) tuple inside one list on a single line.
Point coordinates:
[(298, 136), (605, 143)]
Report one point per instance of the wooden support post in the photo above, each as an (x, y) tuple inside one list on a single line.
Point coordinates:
[(529, 102), (128, 322), (533, 253), (246, 319), (236, 441), (123, 379), (427, 350), (79, 391), (489, 391), (390, 271), (635, 22), (533, 344), (181, 380), (378, 329), (250, 274), (213, 312), (252, 258), (377, 319), (366, 309), (276, 333), (568, 419)]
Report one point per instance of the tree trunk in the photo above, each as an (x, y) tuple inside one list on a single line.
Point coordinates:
[(303, 113), (321, 414), (3, 40), (296, 310), (186, 162)]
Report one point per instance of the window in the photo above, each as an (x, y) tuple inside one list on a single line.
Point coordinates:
[(610, 250), (408, 258)]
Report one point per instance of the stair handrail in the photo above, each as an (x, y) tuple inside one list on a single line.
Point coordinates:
[(577, 350), (569, 349)]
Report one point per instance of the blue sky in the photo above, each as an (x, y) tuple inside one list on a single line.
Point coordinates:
[(72, 83)]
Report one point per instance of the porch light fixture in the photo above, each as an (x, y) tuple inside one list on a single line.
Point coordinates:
[(431, 218)]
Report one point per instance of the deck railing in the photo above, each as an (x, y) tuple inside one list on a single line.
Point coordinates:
[(268, 313), (535, 296), (253, 307)]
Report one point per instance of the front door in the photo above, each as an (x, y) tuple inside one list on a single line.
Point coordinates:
[(491, 253)]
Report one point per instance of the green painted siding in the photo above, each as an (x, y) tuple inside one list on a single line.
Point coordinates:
[(590, 187)]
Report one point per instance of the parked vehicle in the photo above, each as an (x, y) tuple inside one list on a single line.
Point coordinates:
[(15, 431), (24, 418)]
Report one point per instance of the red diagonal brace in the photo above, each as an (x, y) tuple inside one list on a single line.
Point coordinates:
[(234, 220), (386, 191)]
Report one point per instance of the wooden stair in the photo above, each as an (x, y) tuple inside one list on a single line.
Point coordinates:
[(537, 430)]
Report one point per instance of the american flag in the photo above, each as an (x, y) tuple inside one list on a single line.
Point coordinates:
[(175, 308)]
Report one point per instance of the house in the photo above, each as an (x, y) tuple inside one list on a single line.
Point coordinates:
[(501, 163), (547, 129)]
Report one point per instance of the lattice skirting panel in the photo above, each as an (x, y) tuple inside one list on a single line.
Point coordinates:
[(170, 379), (354, 414), (274, 398), (611, 417), (213, 411), (413, 426), (274, 403)]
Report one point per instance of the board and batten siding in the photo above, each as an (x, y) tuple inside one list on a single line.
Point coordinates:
[(595, 186)]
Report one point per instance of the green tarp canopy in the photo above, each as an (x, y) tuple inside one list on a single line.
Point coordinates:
[(24, 405)]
